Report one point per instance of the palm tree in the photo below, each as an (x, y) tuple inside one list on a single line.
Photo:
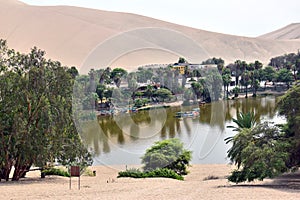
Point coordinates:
[(237, 65), (258, 152), (244, 120), (246, 81), (226, 77), (239, 142)]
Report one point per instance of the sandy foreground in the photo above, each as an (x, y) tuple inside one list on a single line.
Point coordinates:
[(105, 185)]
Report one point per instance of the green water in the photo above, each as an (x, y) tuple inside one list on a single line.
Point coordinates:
[(123, 139)]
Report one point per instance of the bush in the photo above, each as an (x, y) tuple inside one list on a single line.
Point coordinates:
[(165, 158), (168, 154), (140, 102), (55, 171), (88, 172), (162, 172)]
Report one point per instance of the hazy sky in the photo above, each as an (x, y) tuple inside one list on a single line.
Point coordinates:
[(237, 17)]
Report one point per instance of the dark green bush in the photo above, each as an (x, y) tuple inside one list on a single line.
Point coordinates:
[(160, 172), (55, 171), (169, 154)]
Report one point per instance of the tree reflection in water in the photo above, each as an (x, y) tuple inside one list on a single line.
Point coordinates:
[(126, 129)]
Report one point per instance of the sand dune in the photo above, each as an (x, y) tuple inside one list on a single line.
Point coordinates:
[(93, 38), (290, 32)]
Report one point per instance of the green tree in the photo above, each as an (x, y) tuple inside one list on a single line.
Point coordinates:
[(259, 152), (36, 123), (217, 61), (297, 66), (255, 81), (104, 76), (100, 90), (198, 89), (268, 73), (289, 107), (245, 81), (163, 93), (284, 75), (182, 60), (212, 83), (73, 71), (226, 77), (236, 91), (244, 120), (168, 154), (117, 74), (149, 91)]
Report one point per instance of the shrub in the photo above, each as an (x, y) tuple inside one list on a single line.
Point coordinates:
[(56, 171), (88, 172), (160, 172), (165, 158), (168, 154)]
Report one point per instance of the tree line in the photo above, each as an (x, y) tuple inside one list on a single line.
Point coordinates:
[(248, 77)]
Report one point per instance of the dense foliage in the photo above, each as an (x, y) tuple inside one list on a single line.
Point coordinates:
[(36, 125), (258, 152), (55, 171), (160, 172), (264, 150), (165, 158), (289, 106), (168, 154)]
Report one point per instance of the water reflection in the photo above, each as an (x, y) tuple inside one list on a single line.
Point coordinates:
[(122, 139)]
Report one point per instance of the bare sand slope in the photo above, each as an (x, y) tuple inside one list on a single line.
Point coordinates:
[(290, 32), (106, 186), (95, 38)]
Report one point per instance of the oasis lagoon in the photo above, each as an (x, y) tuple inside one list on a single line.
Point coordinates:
[(122, 139)]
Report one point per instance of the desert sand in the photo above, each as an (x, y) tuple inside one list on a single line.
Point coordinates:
[(89, 38), (106, 185), (289, 32)]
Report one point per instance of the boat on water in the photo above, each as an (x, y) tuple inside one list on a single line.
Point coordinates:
[(193, 113), (152, 107)]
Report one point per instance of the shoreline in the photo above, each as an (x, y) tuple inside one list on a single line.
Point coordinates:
[(106, 185)]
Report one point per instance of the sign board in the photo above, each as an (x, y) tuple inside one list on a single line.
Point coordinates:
[(75, 171)]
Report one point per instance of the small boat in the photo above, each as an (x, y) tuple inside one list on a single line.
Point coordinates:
[(193, 113)]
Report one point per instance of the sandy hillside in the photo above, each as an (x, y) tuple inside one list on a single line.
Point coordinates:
[(94, 38), (106, 186), (290, 32)]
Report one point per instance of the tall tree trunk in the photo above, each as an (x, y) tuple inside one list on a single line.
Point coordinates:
[(227, 90), (26, 169), (5, 171)]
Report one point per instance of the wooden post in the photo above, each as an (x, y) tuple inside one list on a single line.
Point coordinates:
[(75, 171), (70, 183)]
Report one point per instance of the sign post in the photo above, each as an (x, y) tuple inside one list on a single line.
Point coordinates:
[(75, 171)]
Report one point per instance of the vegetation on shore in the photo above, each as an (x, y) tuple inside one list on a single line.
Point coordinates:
[(150, 85), (266, 150), (165, 158), (37, 127), (36, 124)]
